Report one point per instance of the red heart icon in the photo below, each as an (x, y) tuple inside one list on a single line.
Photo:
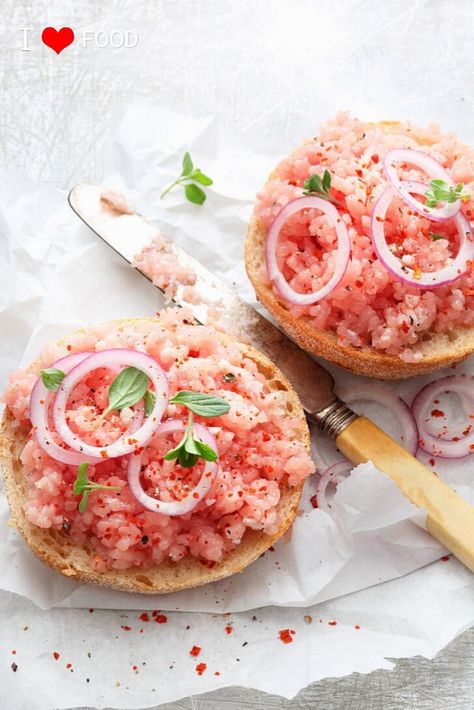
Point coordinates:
[(57, 40)]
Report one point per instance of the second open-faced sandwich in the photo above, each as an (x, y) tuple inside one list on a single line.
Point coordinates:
[(152, 455), (361, 247)]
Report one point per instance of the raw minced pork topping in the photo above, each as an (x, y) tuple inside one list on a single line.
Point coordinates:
[(370, 307), (259, 446)]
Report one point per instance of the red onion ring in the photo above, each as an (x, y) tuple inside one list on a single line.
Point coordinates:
[(435, 444), (110, 358), (433, 169), (380, 393), (344, 249), (195, 496), (333, 474), (40, 400), (444, 276)]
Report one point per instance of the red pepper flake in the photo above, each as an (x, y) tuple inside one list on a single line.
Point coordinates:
[(332, 623), (134, 668), (104, 454), (193, 353), (271, 548), (91, 611), (217, 673), (359, 172), (432, 462), (357, 627), (56, 655), (445, 558), (195, 651), (144, 617), (126, 628), (375, 158), (437, 413), (161, 619), (200, 668), (69, 347), (14, 652), (68, 666), (228, 629), (286, 635), (314, 501)]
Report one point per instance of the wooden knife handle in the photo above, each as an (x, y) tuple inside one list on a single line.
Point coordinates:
[(450, 518)]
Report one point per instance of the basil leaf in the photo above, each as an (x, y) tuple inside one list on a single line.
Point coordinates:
[(435, 236), (150, 399), (128, 388), (187, 165), (204, 404), (198, 176), (195, 194), (52, 378)]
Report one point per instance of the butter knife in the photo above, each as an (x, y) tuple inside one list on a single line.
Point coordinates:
[(449, 517)]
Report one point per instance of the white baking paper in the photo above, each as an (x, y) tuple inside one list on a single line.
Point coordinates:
[(59, 276)]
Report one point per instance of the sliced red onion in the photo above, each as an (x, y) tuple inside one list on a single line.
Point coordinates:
[(112, 358), (40, 401), (195, 495), (394, 265), (422, 406), (334, 474), (380, 393), (343, 254), (433, 169)]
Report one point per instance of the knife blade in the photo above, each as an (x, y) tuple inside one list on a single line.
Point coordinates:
[(449, 518), (127, 234)]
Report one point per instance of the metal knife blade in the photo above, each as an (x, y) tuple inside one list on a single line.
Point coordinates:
[(127, 234)]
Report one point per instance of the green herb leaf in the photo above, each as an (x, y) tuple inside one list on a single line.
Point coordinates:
[(188, 179), (127, 389), (435, 236), (191, 448), (326, 180), (81, 481), (150, 399), (206, 405), (83, 487), (198, 176), (315, 186), (440, 191), (194, 193), (187, 165), (52, 378), (205, 451)]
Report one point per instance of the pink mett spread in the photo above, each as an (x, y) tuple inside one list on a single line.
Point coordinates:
[(370, 307), (256, 441)]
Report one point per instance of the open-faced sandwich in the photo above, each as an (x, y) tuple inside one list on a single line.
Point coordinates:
[(152, 455), (361, 247)]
